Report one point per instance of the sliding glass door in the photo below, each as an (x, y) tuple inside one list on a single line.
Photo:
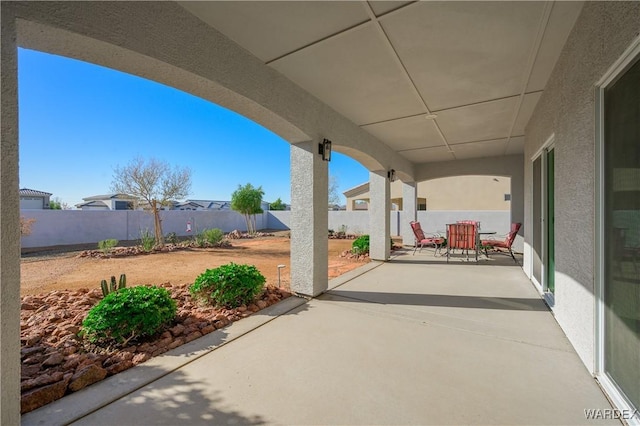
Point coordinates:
[(543, 253), (621, 232)]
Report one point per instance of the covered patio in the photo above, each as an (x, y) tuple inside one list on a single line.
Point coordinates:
[(409, 341), (419, 91)]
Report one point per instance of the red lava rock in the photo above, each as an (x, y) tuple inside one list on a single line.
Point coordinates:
[(193, 336), (25, 352), (33, 360), (177, 330), (87, 376), (253, 308), (119, 367), (32, 340), (164, 342), (69, 350), (28, 371), (140, 358), (49, 335), (178, 342), (54, 359), (208, 329), (159, 351), (42, 396), (72, 362)]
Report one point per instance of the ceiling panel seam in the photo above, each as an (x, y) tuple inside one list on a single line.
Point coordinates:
[(340, 33), (487, 101), (406, 74), (533, 55), (448, 109)]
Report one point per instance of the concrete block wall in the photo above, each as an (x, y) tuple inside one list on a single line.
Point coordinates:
[(66, 227)]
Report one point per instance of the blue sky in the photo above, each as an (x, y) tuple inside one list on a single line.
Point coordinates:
[(78, 121)]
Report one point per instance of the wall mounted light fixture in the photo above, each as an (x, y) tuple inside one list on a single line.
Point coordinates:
[(391, 174), (324, 149)]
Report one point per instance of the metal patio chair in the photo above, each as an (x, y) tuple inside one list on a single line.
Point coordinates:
[(422, 240)]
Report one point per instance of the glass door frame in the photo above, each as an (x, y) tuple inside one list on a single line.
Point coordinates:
[(542, 154), (624, 62)]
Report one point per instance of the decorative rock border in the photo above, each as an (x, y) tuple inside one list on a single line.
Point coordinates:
[(56, 362)]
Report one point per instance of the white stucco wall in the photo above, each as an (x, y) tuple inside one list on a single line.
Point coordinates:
[(567, 110)]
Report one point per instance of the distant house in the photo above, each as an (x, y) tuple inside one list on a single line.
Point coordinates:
[(30, 199), (202, 205), (108, 202), (208, 205), (451, 193)]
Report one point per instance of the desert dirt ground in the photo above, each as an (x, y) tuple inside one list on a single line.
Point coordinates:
[(42, 274)]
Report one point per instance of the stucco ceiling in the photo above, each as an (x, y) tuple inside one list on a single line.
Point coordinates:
[(390, 67)]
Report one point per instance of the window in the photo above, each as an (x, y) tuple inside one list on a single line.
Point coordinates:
[(620, 230)]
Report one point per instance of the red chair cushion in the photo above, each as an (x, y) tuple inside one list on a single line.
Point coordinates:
[(435, 240), (495, 243)]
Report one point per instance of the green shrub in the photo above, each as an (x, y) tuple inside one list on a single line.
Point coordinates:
[(228, 285), (171, 238), (360, 245), (213, 236), (147, 240), (129, 313), (107, 245)]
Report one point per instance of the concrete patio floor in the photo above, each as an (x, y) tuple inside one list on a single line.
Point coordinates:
[(411, 341)]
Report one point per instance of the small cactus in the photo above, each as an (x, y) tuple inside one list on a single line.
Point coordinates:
[(113, 285), (105, 288)]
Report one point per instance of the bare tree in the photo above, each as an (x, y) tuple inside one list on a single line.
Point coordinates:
[(334, 196), (154, 182)]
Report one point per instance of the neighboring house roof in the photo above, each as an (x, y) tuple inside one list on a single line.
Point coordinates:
[(92, 204), (33, 193), (209, 204), (110, 197), (186, 204), (357, 190)]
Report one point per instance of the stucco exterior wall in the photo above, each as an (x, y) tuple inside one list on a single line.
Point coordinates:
[(567, 111), (455, 193), (9, 226)]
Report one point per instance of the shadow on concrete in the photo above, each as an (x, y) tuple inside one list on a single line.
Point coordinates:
[(458, 260), (473, 302), (174, 399)]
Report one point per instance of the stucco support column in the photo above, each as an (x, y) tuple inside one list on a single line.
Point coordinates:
[(309, 219), (9, 225), (409, 212), (379, 216)]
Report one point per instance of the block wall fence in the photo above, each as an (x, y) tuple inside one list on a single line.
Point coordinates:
[(69, 227)]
